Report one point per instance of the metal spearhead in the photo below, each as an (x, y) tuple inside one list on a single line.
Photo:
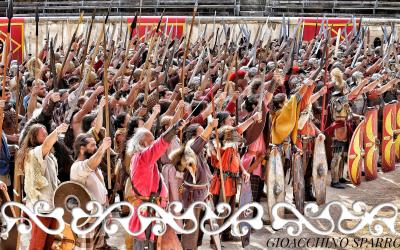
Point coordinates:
[(283, 28), (53, 66), (204, 31), (353, 20), (165, 27), (133, 25), (37, 20), (315, 29), (10, 10), (108, 11), (159, 22), (47, 31), (213, 28), (228, 34), (55, 39), (359, 26)]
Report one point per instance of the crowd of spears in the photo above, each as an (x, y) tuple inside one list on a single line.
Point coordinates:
[(219, 118)]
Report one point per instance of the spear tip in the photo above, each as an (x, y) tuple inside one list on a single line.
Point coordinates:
[(94, 13), (10, 9), (37, 14), (133, 24)]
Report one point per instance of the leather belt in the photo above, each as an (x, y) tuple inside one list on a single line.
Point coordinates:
[(228, 174)]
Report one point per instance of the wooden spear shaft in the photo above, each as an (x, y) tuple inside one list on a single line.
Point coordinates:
[(217, 146), (17, 101), (3, 92), (186, 53), (36, 61), (325, 81), (146, 65), (105, 76), (87, 41)]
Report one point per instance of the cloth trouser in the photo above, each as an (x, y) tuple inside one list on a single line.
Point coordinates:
[(93, 240), (128, 241), (308, 172), (190, 241), (141, 245), (257, 188), (40, 240), (337, 166)]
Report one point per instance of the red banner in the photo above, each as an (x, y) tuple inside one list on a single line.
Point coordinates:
[(149, 23), (313, 25), (17, 37)]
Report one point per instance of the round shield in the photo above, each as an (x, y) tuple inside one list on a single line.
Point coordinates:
[(69, 195)]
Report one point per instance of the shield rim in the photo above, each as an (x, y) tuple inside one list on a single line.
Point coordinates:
[(373, 115), (358, 132), (389, 108), (70, 211)]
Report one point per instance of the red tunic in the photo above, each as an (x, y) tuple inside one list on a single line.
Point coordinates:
[(230, 163), (145, 178)]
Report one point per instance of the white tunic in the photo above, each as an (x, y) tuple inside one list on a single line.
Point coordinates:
[(82, 173)]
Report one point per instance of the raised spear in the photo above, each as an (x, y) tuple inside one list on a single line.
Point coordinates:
[(70, 46), (53, 67), (107, 59), (217, 146), (120, 30), (17, 177), (85, 49), (182, 80), (325, 79), (315, 29), (337, 42), (128, 46), (74, 102), (6, 53), (147, 62)]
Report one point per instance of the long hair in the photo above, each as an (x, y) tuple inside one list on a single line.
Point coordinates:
[(27, 143), (133, 145), (337, 77)]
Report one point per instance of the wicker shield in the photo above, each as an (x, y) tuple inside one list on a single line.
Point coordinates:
[(69, 195)]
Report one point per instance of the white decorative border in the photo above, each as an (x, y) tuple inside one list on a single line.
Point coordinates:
[(313, 213), (174, 213), (164, 217)]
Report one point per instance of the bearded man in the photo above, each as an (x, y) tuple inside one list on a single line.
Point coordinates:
[(86, 171), (147, 182)]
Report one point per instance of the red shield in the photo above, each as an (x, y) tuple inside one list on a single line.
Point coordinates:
[(397, 132), (370, 144), (355, 155), (388, 126)]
